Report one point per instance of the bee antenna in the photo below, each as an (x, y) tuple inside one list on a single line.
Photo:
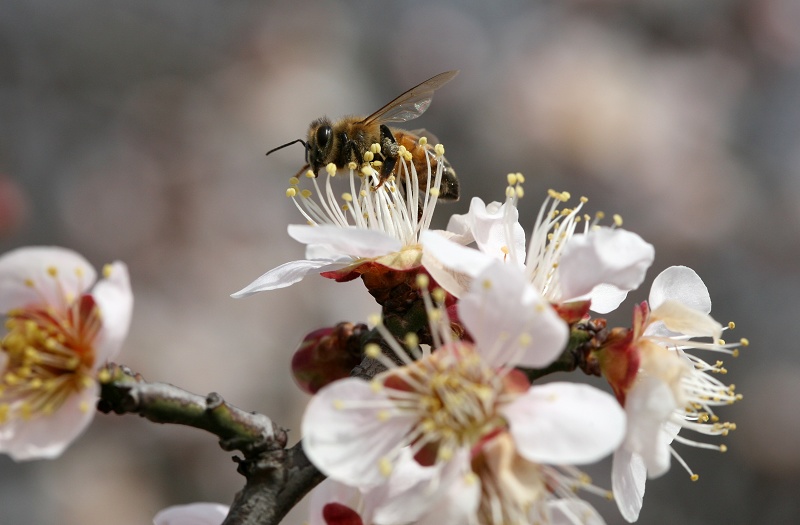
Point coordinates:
[(301, 141)]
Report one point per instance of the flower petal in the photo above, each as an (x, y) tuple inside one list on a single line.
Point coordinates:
[(603, 256), (648, 406), (565, 423), (350, 430), (680, 284), (192, 514), (356, 242), (114, 298), (450, 264), (572, 512), (510, 322), (27, 277), (680, 319), (330, 491), (287, 274), (628, 478), (415, 493), (46, 437), (606, 298), (494, 228)]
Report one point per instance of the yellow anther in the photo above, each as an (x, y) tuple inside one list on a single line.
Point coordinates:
[(423, 281), (411, 340), (104, 375), (487, 284), (617, 219), (520, 192), (347, 197), (306, 193), (512, 179), (367, 169), (29, 283), (368, 156), (422, 141), (731, 325), (600, 215), (439, 149), (744, 341), (294, 181), (723, 448), (694, 477), (372, 350), (385, 466), (52, 271), (331, 169), (439, 295), (338, 404), (375, 148), (310, 174), (107, 270), (291, 192), (352, 166), (434, 192)]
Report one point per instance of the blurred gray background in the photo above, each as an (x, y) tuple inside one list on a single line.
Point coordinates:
[(137, 131)]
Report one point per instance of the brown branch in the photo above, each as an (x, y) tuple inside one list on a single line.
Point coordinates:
[(277, 478)]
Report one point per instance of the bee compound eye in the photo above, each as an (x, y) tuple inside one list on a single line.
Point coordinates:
[(323, 136)]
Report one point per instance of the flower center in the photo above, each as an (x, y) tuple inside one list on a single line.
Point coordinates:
[(48, 356), (455, 397)]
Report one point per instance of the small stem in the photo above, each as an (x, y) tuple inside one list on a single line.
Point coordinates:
[(122, 392)]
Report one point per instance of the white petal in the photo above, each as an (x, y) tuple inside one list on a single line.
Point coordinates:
[(457, 506), (572, 512), (349, 444), (628, 478), (510, 321), (192, 514), (286, 275), (495, 227), (680, 319), (450, 264), (603, 256), (681, 284), (649, 405), (414, 491), (330, 491), (565, 423), (452, 255), (356, 242), (606, 298), (46, 437), (32, 264), (114, 298)]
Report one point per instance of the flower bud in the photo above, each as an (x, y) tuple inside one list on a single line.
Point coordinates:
[(327, 354)]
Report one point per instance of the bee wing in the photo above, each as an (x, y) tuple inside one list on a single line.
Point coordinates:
[(413, 102)]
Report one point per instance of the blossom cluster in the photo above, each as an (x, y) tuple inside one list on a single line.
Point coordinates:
[(454, 429), (436, 414)]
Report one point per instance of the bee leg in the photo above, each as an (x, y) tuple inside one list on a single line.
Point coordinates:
[(351, 150), (389, 150)]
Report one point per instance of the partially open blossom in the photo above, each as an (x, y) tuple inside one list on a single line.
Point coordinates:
[(443, 407), (60, 331), (192, 514), (663, 387), (327, 354), (373, 226), (563, 264)]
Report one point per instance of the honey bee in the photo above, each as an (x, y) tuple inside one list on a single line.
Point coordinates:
[(347, 139)]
